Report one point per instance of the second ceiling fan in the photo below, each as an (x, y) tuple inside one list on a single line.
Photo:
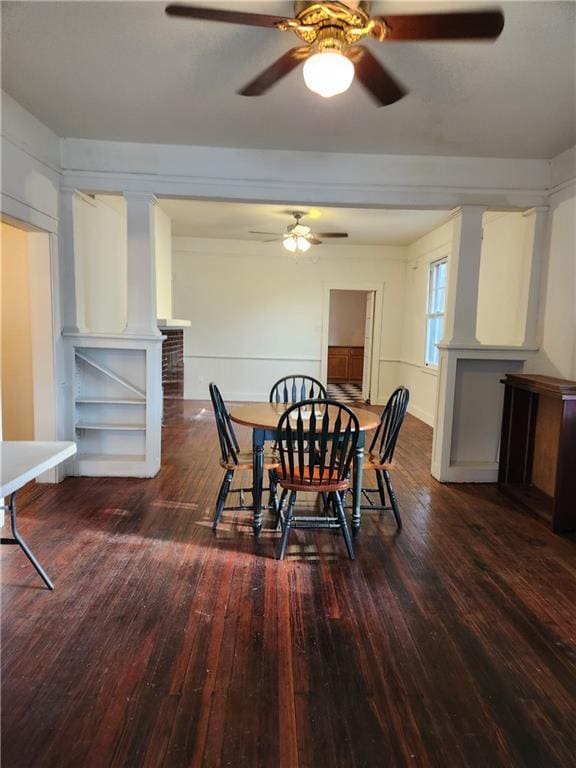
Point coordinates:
[(331, 31), (299, 237)]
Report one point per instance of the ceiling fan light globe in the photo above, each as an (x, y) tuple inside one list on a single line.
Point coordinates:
[(290, 244), (302, 244), (328, 73)]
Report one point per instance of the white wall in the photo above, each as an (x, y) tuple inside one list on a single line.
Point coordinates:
[(163, 237), (503, 285), (256, 314), (557, 355), (420, 379), (100, 223), (347, 318)]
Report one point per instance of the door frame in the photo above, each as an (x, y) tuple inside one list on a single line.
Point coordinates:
[(345, 285), (43, 274)]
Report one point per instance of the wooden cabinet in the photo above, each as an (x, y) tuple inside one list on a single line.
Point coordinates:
[(538, 443), (345, 364)]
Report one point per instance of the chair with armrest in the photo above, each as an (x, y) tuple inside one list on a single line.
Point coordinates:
[(381, 454), (316, 443), (233, 459)]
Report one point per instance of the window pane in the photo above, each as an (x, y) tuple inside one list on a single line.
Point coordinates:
[(438, 300), (441, 275), (434, 335)]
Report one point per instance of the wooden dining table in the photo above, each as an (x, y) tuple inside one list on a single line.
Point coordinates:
[(263, 419)]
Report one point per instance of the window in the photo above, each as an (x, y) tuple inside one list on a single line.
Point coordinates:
[(435, 313)]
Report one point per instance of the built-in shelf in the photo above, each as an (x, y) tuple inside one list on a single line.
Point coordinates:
[(109, 373), (116, 395), (136, 427)]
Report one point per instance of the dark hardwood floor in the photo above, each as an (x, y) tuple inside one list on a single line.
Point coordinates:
[(450, 644)]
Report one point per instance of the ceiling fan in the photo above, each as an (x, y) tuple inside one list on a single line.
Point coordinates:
[(331, 31), (299, 237)]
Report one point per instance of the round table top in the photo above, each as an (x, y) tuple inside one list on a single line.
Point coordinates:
[(267, 415)]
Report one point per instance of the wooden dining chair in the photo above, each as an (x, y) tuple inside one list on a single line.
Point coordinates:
[(292, 389), (381, 454), (316, 443), (233, 459)]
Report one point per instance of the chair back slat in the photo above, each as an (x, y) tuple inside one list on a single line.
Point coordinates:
[(292, 389), (316, 440), (384, 440), (229, 447)]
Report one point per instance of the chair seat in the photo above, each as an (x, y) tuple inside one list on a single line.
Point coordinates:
[(246, 460), (373, 462), (328, 484)]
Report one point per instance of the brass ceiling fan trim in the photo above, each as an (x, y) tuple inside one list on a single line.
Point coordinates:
[(345, 24)]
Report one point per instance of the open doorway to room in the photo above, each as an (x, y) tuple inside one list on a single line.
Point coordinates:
[(350, 334), (27, 373)]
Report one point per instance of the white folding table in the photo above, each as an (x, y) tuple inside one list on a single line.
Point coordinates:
[(20, 462)]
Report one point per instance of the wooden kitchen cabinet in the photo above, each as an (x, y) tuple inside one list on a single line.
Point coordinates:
[(345, 364)]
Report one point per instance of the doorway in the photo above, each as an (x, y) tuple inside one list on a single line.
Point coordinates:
[(27, 372), (350, 343)]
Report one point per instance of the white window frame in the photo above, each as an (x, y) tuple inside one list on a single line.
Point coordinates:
[(433, 265)]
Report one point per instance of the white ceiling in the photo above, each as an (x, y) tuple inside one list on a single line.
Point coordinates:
[(125, 71), (206, 219)]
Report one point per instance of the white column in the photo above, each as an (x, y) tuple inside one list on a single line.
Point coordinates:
[(72, 299), (463, 277), (535, 244), (141, 304)]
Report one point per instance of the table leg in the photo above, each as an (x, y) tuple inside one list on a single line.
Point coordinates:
[(257, 477), (357, 483), (22, 544)]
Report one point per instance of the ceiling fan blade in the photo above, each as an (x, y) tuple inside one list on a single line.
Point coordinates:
[(216, 14), (276, 71), (380, 84), (314, 240), (331, 234), (479, 25), (257, 232)]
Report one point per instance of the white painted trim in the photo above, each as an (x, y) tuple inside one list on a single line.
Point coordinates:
[(427, 369), (120, 339), (470, 473), (427, 418), (305, 192), (22, 211), (343, 285), (41, 259), (23, 147)]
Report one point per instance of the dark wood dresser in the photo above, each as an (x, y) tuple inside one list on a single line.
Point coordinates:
[(538, 442)]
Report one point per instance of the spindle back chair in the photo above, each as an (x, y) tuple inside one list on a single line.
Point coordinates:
[(316, 439)]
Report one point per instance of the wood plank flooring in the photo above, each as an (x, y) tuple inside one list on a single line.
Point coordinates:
[(448, 645)]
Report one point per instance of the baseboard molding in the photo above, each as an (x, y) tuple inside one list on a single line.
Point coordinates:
[(483, 472), (427, 418)]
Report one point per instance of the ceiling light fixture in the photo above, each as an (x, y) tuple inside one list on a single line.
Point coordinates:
[(328, 73), (296, 242)]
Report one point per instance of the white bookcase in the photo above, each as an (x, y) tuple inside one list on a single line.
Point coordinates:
[(116, 409)]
